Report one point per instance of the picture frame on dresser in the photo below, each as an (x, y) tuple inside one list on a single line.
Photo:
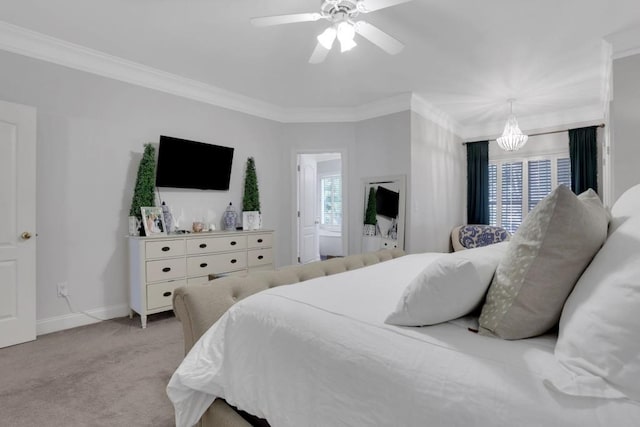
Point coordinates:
[(153, 221)]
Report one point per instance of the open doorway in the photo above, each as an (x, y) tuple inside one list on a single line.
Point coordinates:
[(321, 204)]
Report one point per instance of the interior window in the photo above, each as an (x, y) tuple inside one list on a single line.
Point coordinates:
[(331, 202)]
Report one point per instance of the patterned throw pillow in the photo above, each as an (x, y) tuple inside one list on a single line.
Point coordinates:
[(544, 260), (475, 236)]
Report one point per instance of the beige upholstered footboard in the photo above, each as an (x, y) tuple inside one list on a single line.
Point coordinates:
[(199, 307)]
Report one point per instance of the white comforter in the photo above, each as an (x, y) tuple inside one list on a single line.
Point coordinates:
[(319, 354)]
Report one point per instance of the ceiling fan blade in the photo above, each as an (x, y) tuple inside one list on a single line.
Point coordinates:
[(378, 37), (366, 6), (266, 21), (319, 54)]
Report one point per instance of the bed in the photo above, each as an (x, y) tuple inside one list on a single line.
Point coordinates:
[(323, 353)]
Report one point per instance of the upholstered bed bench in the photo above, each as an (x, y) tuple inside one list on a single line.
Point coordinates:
[(199, 307)]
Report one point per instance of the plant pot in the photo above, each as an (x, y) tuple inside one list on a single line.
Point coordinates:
[(251, 220), (369, 230)]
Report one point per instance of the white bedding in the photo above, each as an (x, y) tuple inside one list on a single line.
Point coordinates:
[(319, 354)]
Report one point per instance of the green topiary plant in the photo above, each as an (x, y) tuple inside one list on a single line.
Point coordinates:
[(251, 198), (370, 214), (143, 194)]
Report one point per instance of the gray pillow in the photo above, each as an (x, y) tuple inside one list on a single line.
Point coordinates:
[(544, 260)]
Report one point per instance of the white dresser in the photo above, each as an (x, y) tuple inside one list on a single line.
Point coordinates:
[(158, 265)]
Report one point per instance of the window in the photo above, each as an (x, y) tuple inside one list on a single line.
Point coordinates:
[(331, 201), (517, 186)]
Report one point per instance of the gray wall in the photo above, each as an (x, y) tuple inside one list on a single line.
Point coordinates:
[(625, 121), (437, 188), (91, 132)]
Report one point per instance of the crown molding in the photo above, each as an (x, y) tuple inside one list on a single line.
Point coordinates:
[(46, 48), (40, 46), (379, 108), (424, 108), (625, 43)]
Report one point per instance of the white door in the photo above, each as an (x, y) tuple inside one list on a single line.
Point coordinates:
[(17, 224), (307, 202)]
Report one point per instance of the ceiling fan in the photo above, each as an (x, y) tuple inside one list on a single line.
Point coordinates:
[(341, 14)]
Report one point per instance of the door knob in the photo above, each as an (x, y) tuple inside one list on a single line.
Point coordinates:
[(26, 235)]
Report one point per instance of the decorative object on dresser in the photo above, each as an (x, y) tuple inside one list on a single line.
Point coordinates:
[(229, 218), (168, 218), (153, 221), (158, 265), (144, 190), (251, 217)]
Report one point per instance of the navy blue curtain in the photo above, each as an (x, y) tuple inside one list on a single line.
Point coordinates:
[(478, 182), (583, 151)]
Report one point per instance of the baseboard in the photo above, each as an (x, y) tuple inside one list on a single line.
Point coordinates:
[(73, 320)]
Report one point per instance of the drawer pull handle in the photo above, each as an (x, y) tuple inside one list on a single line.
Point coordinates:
[(233, 261), (260, 256), (259, 240), (167, 294), (166, 269), (166, 249), (203, 245), (203, 265), (233, 243)]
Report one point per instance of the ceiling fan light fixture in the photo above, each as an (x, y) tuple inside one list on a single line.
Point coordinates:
[(346, 33), (327, 38), (512, 138)]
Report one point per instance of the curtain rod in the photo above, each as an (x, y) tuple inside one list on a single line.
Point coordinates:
[(601, 125)]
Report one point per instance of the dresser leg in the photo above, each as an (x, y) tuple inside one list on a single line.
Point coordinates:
[(143, 321), (130, 314)]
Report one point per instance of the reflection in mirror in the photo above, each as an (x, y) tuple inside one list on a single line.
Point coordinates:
[(389, 209)]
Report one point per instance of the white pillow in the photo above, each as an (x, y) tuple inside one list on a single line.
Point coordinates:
[(448, 288), (598, 342)]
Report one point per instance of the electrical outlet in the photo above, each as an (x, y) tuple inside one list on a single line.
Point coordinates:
[(63, 289)]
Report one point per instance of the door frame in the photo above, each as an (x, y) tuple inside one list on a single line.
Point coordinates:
[(295, 152)]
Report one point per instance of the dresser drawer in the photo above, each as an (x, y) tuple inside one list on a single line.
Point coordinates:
[(200, 280), (216, 244), (264, 240), (218, 263), (165, 269), (164, 248), (161, 294), (260, 257)]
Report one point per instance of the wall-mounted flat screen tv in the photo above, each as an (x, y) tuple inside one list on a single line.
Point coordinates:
[(190, 164)]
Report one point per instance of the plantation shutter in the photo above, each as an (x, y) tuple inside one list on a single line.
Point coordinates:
[(493, 193), (564, 172), (539, 181), (511, 196)]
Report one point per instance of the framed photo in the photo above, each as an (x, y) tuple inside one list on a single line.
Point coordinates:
[(153, 221), (251, 220)]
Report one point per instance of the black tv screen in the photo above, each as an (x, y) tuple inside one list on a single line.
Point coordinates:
[(387, 202), (190, 164)]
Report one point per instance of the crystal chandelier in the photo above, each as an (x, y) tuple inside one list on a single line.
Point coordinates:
[(512, 138)]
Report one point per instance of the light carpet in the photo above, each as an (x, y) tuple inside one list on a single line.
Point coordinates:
[(112, 373)]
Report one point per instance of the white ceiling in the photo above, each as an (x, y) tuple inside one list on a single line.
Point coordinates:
[(464, 57)]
